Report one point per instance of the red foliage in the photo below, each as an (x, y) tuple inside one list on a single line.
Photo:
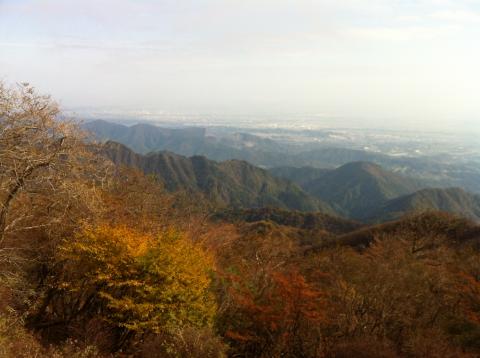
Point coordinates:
[(280, 312)]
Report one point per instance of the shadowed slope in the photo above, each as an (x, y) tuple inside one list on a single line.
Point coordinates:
[(451, 200), (357, 188), (231, 183)]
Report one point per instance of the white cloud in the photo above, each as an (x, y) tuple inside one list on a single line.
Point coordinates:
[(404, 33), (461, 16)]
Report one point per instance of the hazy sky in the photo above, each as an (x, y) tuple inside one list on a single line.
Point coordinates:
[(403, 60)]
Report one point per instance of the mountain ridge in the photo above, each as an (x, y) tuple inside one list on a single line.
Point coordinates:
[(356, 188), (450, 200), (222, 144), (231, 183)]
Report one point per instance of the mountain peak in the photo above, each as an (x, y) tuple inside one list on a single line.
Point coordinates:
[(357, 187)]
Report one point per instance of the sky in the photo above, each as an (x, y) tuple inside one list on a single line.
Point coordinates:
[(382, 62)]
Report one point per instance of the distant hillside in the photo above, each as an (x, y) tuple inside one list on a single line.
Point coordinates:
[(267, 153), (333, 157), (451, 200), (361, 191), (358, 188), (144, 138), (232, 183), (301, 176), (429, 170), (456, 230), (305, 221)]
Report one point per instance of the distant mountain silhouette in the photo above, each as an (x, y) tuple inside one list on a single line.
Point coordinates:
[(144, 138)]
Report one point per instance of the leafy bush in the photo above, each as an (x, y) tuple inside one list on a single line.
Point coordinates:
[(146, 282)]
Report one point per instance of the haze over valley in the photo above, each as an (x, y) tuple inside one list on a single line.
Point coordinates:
[(436, 160)]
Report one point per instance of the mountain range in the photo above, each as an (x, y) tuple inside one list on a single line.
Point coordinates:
[(232, 183), (367, 192), (358, 190), (225, 144)]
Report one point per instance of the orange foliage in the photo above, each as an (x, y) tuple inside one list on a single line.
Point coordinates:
[(279, 314), (470, 294)]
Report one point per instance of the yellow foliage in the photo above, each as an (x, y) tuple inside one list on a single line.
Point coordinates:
[(148, 282)]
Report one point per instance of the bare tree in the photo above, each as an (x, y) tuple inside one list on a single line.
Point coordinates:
[(40, 155)]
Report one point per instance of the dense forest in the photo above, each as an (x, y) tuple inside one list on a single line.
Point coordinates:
[(99, 259)]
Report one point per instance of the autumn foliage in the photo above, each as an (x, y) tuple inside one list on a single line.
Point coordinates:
[(146, 282), (100, 261), (278, 316)]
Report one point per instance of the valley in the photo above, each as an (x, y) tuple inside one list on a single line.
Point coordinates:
[(245, 170)]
